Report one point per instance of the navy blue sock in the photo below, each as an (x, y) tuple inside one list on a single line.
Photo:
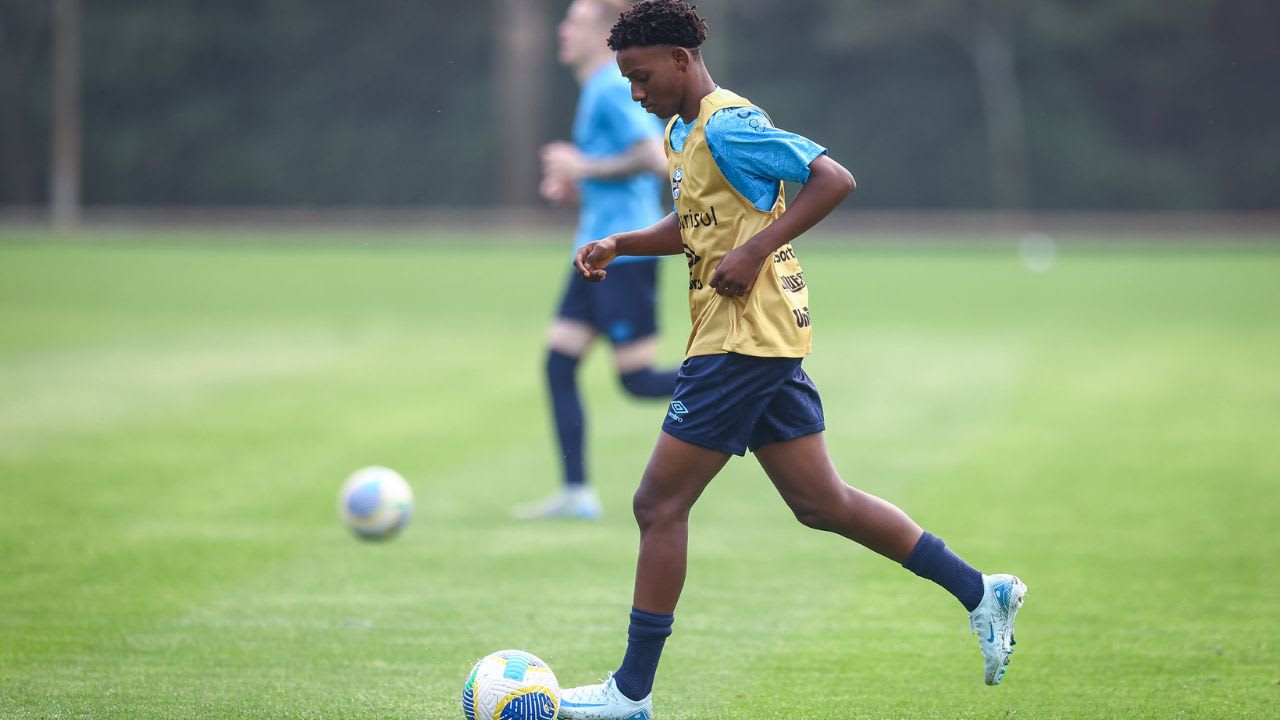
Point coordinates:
[(645, 637), (932, 559), (566, 408), (650, 383)]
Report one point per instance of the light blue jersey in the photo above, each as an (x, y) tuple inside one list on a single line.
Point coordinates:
[(608, 122), (754, 156)]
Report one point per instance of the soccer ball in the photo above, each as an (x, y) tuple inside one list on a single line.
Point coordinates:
[(375, 503), (511, 685)]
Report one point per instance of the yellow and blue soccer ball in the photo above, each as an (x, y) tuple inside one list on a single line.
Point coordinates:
[(375, 503), (511, 685)]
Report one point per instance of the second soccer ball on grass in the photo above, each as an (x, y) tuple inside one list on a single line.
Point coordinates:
[(375, 503)]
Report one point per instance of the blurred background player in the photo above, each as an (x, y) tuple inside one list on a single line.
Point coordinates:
[(611, 169)]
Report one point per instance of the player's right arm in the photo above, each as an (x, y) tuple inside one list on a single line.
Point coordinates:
[(660, 238)]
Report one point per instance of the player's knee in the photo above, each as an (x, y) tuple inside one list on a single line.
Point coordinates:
[(816, 515), (651, 509), (646, 509)]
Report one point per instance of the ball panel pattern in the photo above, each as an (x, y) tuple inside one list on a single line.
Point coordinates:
[(469, 693), (375, 503), (511, 685), (364, 500), (531, 703)]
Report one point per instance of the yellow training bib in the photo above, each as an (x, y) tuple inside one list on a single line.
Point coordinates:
[(773, 319)]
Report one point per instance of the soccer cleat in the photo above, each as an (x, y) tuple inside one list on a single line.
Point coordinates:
[(603, 701), (992, 621), (574, 503)]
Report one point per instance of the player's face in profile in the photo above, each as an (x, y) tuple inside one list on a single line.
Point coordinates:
[(582, 32), (657, 81)]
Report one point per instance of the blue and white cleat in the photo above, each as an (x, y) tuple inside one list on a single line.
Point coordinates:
[(603, 702), (992, 621)]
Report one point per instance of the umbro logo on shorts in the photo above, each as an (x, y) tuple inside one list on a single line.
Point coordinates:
[(677, 411)]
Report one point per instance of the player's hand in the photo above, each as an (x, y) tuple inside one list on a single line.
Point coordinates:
[(558, 191), (737, 272), (592, 258), (563, 160)]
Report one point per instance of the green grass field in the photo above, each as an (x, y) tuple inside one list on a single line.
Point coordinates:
[(177, 414)]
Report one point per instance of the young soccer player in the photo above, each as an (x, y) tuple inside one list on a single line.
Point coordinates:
[(741, 385), (613, 169)]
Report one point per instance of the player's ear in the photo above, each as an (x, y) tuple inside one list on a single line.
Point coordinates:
[(682, 58)]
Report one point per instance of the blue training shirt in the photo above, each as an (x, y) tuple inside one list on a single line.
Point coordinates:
[(754, 156), (608, 122)]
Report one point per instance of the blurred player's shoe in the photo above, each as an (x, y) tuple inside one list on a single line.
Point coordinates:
[(992, 621), (575, 503), (603, 702)]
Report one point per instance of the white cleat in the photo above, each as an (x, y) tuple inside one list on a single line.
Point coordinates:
[(603, 702), (992, 622), (574, 503)]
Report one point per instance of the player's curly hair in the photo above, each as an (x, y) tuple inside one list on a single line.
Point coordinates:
[(658, 22)]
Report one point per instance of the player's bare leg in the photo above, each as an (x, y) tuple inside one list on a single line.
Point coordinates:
[(804, 475), (635, 355), (802, 472), (571, 337), (677, 474)]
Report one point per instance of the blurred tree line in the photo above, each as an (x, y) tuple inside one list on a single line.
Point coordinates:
[(1051, 104)]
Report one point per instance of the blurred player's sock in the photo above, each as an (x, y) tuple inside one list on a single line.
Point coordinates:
[(932, 559), (646, 635), (566, 406), (650, 383)]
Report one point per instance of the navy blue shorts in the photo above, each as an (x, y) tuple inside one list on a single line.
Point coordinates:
[(733, 402), (622, 307)]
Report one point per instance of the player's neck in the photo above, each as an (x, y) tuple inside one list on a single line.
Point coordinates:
[(591, 66), (700, 86)]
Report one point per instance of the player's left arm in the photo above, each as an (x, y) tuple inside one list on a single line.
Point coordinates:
[(627, 125), (828, 185), (563, 160)]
